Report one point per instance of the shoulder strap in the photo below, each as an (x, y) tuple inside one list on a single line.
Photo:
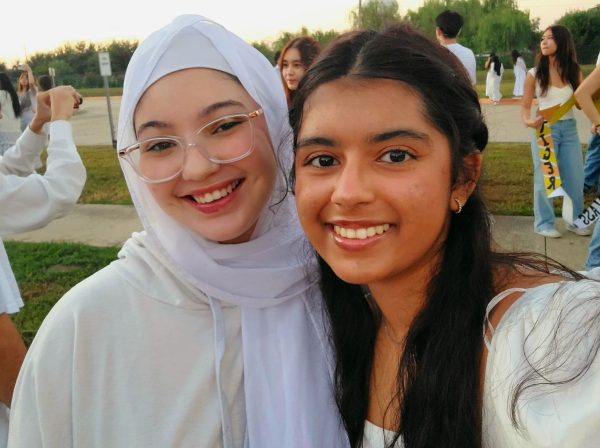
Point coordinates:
[(493, 303)]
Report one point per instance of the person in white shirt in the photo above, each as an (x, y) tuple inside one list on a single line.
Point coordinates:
[(207, 331), (447, 27), (27, 201)]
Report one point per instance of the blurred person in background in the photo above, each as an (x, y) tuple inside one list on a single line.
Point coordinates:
[(27, 90), (495, 70), (447, 28), (44, 83), (520, 70), (553, 79), (296, 57), (10, 111)]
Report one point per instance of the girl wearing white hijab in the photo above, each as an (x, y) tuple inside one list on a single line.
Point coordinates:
[(185, 341)]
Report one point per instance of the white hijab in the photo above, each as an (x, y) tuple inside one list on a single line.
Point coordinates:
[(287, 376)]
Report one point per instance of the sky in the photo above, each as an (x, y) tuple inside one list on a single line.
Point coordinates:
[(52, 24)]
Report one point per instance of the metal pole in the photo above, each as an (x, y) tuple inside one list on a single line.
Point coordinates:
[(359, 13), (110, 116)]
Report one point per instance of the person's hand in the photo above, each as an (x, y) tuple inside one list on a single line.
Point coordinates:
[(55, 104), (534, 122)]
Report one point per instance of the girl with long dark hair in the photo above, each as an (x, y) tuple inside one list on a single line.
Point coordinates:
[(520, 71), (553, 80), (440, 340), (494, 78), (10, 111), (296, 57)]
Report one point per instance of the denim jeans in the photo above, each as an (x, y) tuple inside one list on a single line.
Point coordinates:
[(591, 168), (570, 165), (593, 260)]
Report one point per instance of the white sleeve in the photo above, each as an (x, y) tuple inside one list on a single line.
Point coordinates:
[(20, 159), (41, 411), (30, 202)]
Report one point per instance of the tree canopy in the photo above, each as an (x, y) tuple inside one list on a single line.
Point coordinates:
[(585, 28)]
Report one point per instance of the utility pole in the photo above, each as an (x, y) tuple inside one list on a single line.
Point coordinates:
[(359, 13)]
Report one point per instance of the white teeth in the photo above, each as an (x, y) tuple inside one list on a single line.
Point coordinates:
[(217, 194), (362, 233)]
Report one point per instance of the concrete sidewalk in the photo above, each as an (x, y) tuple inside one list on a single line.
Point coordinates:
[(111, 225)]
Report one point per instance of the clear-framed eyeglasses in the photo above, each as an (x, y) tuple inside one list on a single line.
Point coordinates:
[(227, 139)]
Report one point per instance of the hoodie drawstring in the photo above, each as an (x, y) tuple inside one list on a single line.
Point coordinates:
[(219, 341)]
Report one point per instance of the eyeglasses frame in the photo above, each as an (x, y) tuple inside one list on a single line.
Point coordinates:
[(124, 152)]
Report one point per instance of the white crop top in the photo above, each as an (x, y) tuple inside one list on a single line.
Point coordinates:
[(554, 95)]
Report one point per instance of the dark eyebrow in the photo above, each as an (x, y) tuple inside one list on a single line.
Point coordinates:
[(220, 105), (383, 136), (208, 110), (310, 141)]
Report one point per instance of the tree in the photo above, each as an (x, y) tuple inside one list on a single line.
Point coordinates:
[(375, 14), (585, 28), (265, 49), (505, 28), (268, 50)]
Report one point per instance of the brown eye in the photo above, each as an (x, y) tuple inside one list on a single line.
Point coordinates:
[(395, 156)]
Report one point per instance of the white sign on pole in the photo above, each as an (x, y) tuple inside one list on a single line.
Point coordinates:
[(51, 71), (104, 59)]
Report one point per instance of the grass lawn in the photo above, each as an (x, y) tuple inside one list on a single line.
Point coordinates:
[(105, 183), (99, 91), (507, 180), (45, 271)]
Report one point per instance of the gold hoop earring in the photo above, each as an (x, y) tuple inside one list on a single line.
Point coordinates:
[(459, 206)]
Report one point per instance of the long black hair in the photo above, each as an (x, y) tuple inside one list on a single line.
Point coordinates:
[(439, 371), (566, 58), (7, 86), (515, 55)]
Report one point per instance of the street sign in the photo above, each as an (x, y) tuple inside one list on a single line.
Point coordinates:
[(51, 72), (104, 59)]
